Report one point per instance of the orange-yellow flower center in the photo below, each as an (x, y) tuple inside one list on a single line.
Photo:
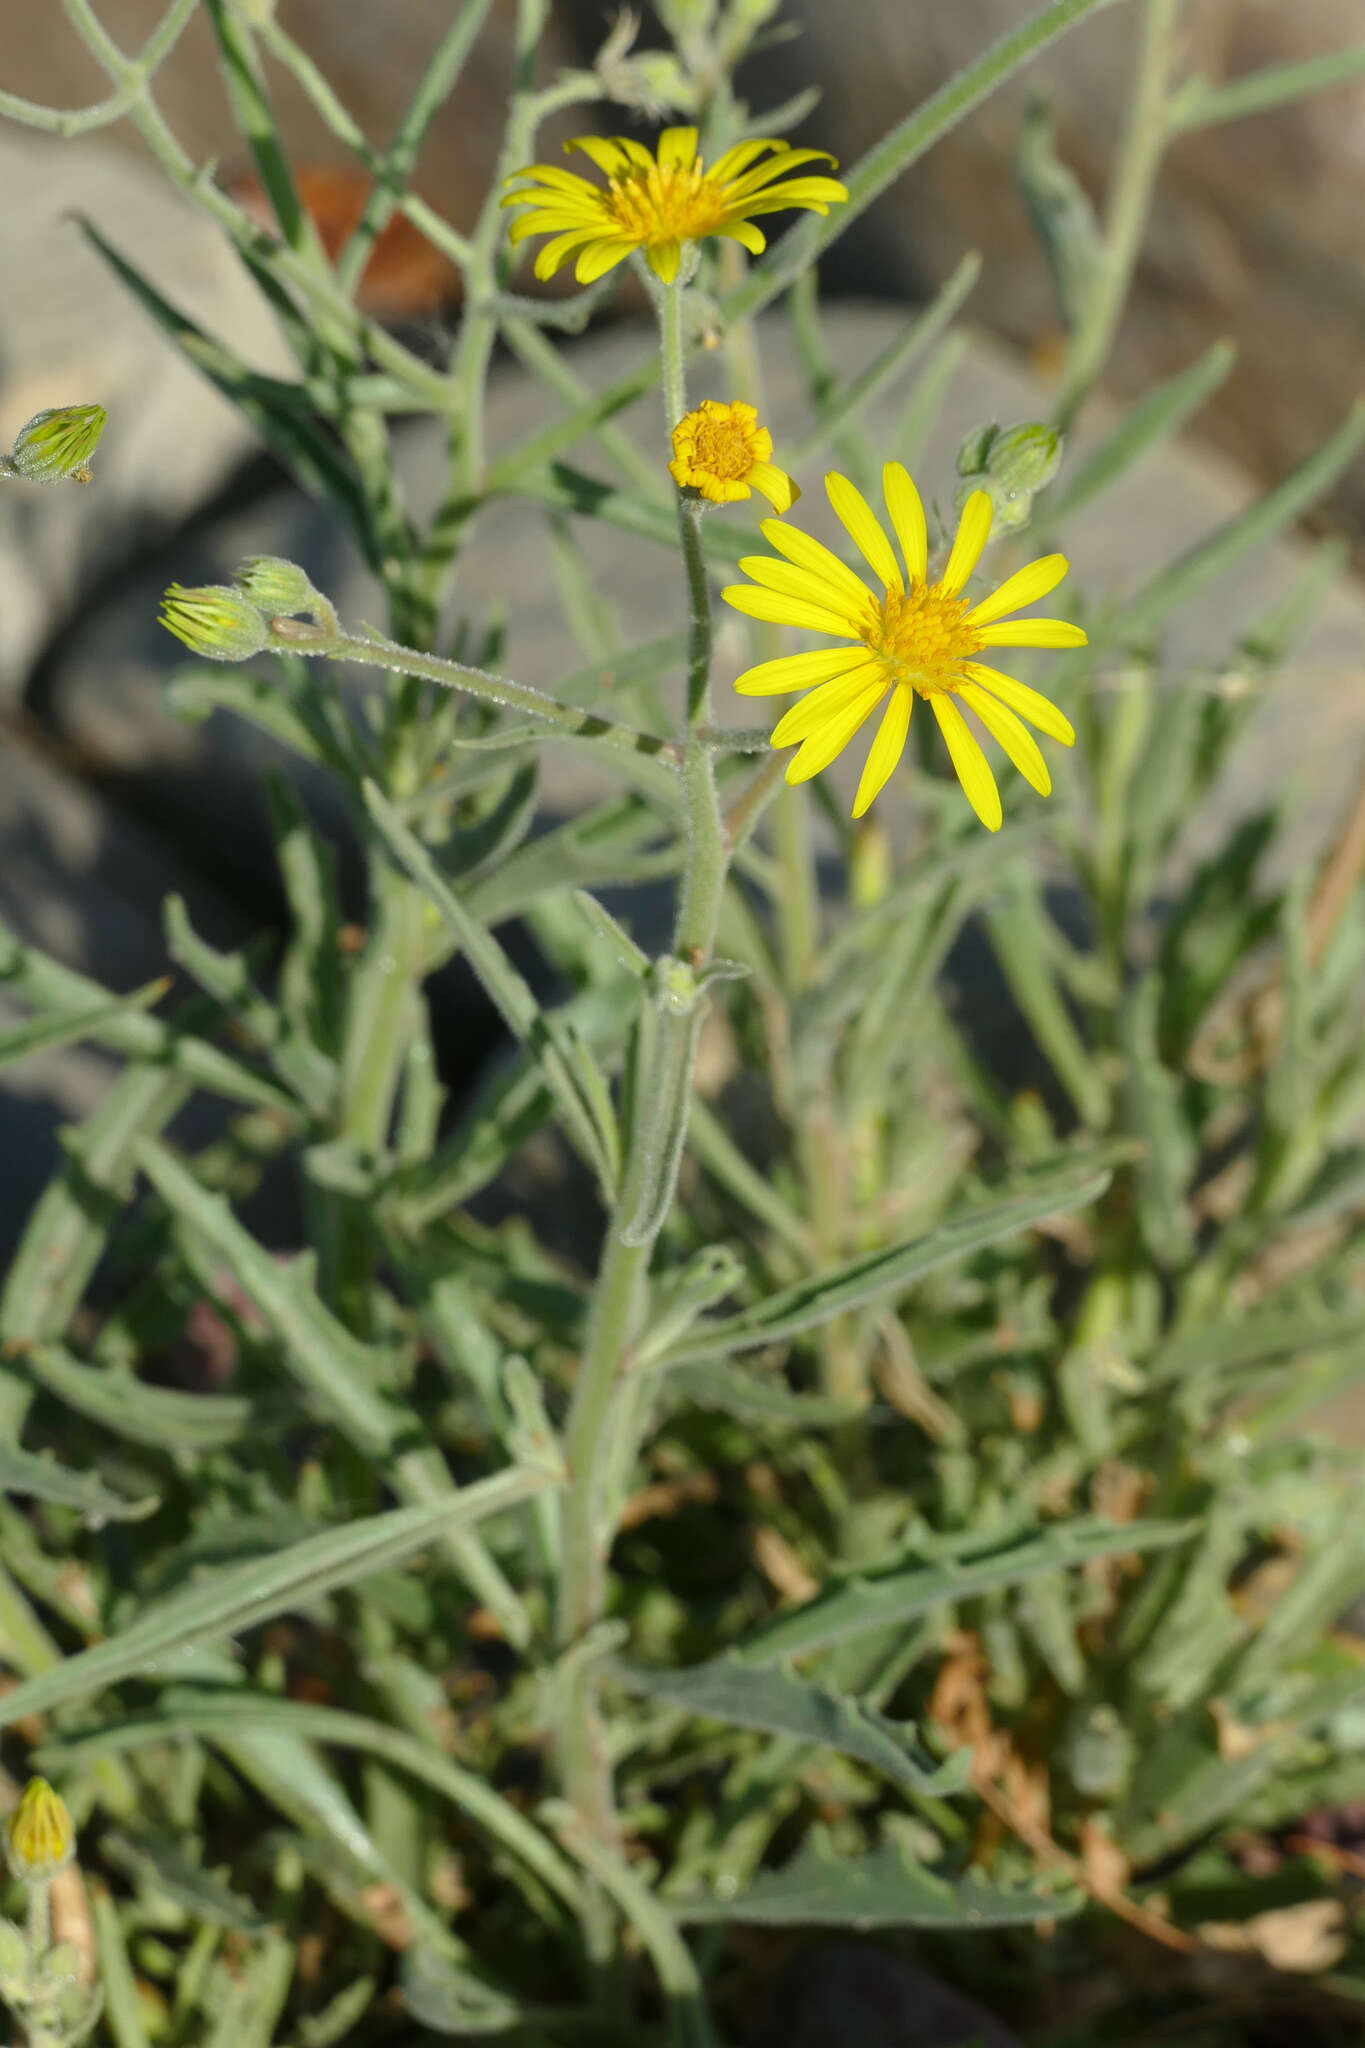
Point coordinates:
[(724, 447), (923, 637), (665, 202)]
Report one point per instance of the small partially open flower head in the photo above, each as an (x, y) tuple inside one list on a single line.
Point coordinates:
[(902, 637), (215, 621), (722, 451), (660, 203), (41, 1839), (57, 444), (277, 587)]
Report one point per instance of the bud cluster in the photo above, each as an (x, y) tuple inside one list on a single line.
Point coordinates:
[(1010, 464), (231, 622)]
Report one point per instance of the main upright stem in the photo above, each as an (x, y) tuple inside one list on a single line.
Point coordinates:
[(597, 1414)]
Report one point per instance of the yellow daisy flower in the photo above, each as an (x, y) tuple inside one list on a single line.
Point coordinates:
[(721, 451), (916, 637), (656, 203)]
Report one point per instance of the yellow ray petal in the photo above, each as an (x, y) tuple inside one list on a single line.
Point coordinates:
[(609, 157), (1015, 737), (736, 160), (1025, 586), (973, 531), (973, 771), (554, 253), (812, 555), (555, 176), (598, 258), (1030, 704), (781, 610), (779, 166), (778, 488), (907, 516), (797, 671), (754, 239), (818, 194), (802, 583), (831, 700), (678, 146), (819, 750), (547, 223), (857, 515), (886, 748), (1033, 633), (664, 259)]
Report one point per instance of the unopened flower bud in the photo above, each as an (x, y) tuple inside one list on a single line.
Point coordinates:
[(276, 587), (215, 621), (58, 443), (41, 1839), (1025, 458), (975, 450)]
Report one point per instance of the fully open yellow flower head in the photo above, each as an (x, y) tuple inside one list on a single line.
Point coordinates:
[(41, 1839), (722, 451), (903, 635), (659, 202)]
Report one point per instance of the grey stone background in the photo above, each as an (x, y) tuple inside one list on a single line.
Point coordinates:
[(106, 802)]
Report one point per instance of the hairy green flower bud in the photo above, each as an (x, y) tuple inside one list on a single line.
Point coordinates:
[(1010, 466), (58, 443), (974, 453), (277, 587), (1025, 458), (215, 621), (40, 1839)]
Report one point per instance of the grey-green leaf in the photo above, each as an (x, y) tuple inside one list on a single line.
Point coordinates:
[(851, 1606), (883, 1889), (224, 1603), (811, 1302), (749, 1696)]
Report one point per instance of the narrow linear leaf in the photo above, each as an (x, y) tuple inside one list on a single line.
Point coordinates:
[(282, 413), (343, 1374), (560, 1062), (225, 1603), (849, 399), (233, 1711), (883, 1889), (1157, 415), (750, 1696), (163, 1418), (39, 1034), (851, 1606), (811, 1302), (44, 1479), (47, 985), (1303, 487)]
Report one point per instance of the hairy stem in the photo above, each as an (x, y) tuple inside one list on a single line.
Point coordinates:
[(1130, 199)]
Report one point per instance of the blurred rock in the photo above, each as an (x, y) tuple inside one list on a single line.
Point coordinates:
[(1256, 232), (70, 333), (839, 1992)]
